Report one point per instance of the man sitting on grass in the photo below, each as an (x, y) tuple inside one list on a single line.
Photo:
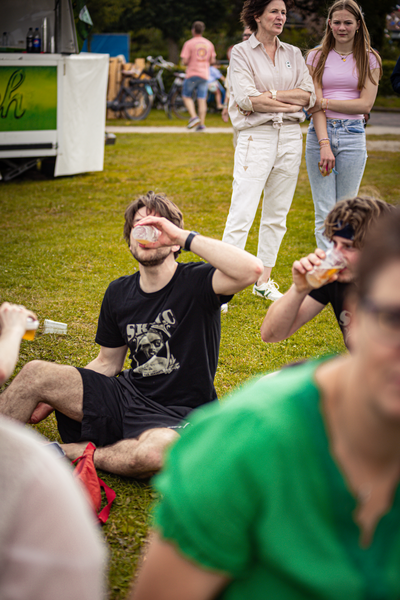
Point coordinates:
[(345, 226), (168, 316)]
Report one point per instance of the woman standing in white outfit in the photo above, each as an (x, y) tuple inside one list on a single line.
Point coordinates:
[(269, 86)]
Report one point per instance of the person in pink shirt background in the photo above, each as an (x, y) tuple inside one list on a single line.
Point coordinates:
[(197, 54), (346, 73)]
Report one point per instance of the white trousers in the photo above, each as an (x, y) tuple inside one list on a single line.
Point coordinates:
[(266, 159)]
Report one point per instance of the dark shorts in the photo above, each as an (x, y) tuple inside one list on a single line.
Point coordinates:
[(113, 410)]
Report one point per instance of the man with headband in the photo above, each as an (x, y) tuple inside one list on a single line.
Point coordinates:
[(345, 226)]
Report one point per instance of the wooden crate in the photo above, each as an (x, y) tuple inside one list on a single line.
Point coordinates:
[(116, 66)]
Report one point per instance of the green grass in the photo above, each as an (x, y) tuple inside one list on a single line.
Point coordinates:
[(387, 102), (158, 118), (62, 244)]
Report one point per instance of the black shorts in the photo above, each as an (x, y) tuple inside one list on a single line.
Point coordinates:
[(113, 410)]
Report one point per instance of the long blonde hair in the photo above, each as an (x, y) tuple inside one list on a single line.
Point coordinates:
[(361, 45)]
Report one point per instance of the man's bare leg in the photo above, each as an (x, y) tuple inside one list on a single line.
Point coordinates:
[(190, 107), (139, 457), (202, 106), (39, 381)]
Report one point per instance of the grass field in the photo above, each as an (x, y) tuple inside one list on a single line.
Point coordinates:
[(62, 245)]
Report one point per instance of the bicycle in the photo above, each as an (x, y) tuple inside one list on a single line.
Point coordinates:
[(171, 101), (132, 101)]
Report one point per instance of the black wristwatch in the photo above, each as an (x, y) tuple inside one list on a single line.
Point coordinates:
[(189, 239)]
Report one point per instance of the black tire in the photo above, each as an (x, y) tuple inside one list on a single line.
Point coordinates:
[(177, 106), (136, 103)]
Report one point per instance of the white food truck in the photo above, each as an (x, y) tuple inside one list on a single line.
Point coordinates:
[(52, 102)]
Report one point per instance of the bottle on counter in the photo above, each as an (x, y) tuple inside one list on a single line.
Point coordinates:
[(44, 35), (29, 40), (37, 41)]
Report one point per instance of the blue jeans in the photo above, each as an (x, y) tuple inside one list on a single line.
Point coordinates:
[(348, 144)]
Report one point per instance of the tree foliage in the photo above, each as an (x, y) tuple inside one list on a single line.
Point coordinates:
[(175, 17), (106, 14), (374, 14)]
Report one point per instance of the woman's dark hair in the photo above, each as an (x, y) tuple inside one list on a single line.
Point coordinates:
[(382, 246), (154, 203), (255, 8)]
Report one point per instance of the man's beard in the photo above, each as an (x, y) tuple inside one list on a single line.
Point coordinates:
[(151, 262)]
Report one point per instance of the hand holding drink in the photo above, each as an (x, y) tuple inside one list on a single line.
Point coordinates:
[(14, 317), (330, 265)]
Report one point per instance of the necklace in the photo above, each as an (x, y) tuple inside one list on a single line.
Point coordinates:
[(343, 55)]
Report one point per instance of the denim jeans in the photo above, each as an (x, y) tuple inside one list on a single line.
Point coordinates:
[(195, 83), (348, 144)]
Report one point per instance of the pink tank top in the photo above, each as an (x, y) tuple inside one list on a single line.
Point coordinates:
[(340, 79)]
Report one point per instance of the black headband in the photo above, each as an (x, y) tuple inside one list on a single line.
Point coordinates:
[(344, 231)]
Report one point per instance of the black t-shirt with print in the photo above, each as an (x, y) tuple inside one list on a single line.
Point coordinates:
[(335, 293), (173, 334)]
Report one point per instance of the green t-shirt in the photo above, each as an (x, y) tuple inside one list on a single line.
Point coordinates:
[(252, 491)]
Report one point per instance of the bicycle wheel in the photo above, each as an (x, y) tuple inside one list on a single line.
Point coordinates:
[(177, 105), (136, 103)]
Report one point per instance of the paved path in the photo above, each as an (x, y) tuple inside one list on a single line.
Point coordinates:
[(383, 146), (385, 118)]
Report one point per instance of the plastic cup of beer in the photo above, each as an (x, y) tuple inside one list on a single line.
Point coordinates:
[(145, 234), (31, 328), (331, 264)]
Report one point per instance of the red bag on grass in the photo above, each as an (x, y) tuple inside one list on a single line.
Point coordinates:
[(86, 472)]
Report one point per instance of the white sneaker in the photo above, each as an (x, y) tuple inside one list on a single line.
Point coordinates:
[(224, 309), (267, 290)]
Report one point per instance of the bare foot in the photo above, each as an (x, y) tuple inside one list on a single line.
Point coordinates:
[(73, 451)]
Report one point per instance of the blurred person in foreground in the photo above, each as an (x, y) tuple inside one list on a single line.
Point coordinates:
[(49, 546), (346, 226), (304, 500)]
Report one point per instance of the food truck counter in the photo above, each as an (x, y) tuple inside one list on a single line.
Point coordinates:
[(54, 105)]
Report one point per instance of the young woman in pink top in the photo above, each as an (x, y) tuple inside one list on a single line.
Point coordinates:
[(346, 72)]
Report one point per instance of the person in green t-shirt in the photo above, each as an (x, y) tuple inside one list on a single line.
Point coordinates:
[(290, 489)]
